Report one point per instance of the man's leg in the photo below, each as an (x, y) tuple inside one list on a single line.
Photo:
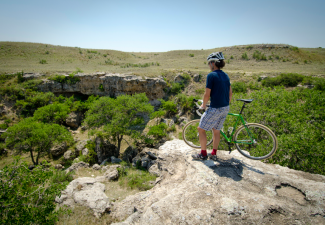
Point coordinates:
[(203, 138), (216, 138), (203, 142)]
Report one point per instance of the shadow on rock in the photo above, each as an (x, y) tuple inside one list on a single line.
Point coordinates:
[(231, 168)]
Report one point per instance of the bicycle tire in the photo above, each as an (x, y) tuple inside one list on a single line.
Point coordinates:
[(266, 141), (191, 135)]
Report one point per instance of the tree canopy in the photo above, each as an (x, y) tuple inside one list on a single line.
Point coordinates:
[(118, 116), (32, 136)]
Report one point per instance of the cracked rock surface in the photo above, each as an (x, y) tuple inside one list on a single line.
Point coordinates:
[(231, 190)]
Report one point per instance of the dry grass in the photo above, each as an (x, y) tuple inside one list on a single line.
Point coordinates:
[(15, 56)]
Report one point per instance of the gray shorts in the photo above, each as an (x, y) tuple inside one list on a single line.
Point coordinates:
[(214, 118)]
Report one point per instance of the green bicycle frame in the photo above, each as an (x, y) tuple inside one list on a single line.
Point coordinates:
[(239, 119)]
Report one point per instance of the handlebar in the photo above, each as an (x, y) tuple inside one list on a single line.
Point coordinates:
[(198, 107)]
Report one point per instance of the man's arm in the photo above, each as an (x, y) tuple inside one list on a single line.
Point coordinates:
[(206, 97), (230, 94)]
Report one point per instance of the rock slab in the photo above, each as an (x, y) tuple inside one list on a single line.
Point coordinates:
[(88, 192), (231, 190)]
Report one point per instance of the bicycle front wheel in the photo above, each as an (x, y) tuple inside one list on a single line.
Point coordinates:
[(264, 142), (191, 134)]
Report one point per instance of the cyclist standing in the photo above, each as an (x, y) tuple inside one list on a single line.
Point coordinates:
[(218, 91)]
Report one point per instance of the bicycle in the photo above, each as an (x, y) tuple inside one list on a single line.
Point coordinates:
[(252, 140)]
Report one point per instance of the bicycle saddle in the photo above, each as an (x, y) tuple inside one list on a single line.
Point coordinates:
[(245, 100)]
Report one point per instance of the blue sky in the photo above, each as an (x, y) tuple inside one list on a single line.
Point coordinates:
[(156, 26)]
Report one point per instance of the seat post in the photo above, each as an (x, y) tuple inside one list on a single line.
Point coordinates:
[(242, 108)]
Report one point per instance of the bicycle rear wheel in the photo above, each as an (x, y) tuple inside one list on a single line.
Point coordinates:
[(264, 141), (191, 135)]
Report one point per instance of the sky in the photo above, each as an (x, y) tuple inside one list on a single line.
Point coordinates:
[(160, 26)]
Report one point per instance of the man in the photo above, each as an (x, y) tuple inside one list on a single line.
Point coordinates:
[(218, 88)]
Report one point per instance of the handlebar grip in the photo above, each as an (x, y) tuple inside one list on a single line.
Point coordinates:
[(195, 100)]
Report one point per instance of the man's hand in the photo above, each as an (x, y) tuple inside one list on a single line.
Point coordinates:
[(202, 106)]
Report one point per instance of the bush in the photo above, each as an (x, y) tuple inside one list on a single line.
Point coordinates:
[(27, 197), (285, 79), (176, 88), (259, 56), (200, 91), (169, 106), (239, 87), (54, 113), (34, 100), (320, 84), (191, 55), (186, 102), (244, 56), (71, 79), (42, 61), (158, 131)]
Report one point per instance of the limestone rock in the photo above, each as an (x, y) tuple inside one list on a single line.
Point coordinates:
[(197, 77), (58, 167), (96, 167), (30, 76), (112, 173), (88, 192), (80, 146), (179, 78), (113, 85), (76, 166), (105, 149), (85, 151), (115, 160), (231, 190), (73, 119), (68, 155), (59, 149)]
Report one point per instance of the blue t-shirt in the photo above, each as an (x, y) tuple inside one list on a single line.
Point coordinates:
[(219, 83)]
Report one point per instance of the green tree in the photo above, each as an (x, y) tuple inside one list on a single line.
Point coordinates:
[(54, 113), (27, 197), (118, 117), (35, 137)]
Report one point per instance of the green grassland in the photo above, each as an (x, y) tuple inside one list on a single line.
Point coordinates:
[(261, 59)]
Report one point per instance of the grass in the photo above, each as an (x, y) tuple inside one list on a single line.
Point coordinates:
[(18, 56)]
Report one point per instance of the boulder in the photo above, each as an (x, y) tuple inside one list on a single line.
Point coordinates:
[(59, 149), (112, 173), (96, 167), (85, 151), (129, 153), (136, 160), (76, 166), (105, 149), (197, 77), (179, 79), (74, 119), (59, 167), (115, 160), (69, 155), (85, 191), (145, 162), (81, 145)]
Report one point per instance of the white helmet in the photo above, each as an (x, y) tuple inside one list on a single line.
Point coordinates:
[(215, 56)]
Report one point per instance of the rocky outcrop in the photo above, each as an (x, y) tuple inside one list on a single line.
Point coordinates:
[(88, 192), (74, 119), (105, 149), (109, 84), (231, 190), (59, 149), (76, 166)]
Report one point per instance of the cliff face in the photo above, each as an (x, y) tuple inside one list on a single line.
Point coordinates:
[(231, 190), (108, 85)]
